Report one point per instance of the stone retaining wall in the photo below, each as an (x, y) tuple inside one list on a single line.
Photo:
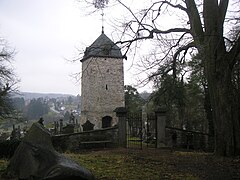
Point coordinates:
[(72, 142)]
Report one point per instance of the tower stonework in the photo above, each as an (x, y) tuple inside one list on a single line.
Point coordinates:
[(102, 83)]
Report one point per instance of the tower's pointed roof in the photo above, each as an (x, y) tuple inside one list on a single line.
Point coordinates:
[(102, 47)]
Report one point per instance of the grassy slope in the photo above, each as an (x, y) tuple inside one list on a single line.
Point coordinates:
[(154, 164), (157, 164)]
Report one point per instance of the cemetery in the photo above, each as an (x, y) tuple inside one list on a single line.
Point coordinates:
[(187, 128), (109, 161), (108, 142)]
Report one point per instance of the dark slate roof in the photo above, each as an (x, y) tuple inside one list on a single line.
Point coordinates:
[(102, 47)]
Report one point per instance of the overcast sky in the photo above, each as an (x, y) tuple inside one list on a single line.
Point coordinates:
[(44, 33)]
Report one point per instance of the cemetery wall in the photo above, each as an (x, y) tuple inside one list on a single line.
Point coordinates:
[(187, 139), (107, 137)]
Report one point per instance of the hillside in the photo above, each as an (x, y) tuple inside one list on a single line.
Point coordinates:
[(31, 95)]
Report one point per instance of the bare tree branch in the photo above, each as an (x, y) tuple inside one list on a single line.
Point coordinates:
[(195, 21), (173, 30), (174, 5), (151, 36), (183, 48)]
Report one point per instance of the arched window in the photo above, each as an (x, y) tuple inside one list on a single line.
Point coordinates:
[(106, 121)]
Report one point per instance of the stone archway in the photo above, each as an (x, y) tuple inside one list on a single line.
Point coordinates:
[(106, 121)]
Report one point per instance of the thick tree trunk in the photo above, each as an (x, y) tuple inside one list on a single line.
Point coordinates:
[(224, 104), (218, 68), (208, 111)]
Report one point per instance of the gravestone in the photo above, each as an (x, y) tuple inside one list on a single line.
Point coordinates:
[(68, 129), (35, 159), (88, 126)]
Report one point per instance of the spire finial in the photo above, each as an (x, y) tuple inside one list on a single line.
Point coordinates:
[(102, 14), (101, 4)]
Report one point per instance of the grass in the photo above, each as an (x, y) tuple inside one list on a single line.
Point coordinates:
[(3, 165), (136, 142), (125, 164), (154, 164)]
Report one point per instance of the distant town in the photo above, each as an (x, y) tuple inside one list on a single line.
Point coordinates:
[(29, 107)]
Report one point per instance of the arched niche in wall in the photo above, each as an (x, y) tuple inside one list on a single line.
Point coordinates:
[(106, 121)]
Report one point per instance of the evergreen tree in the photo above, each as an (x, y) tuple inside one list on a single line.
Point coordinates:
[(37, 108), (133, 101)]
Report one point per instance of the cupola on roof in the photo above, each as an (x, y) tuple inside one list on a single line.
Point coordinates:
[(102, 47)]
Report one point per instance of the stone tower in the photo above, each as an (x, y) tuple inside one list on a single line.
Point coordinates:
[(102, 83)]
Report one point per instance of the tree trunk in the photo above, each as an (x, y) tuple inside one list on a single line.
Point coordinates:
[(218, 70), (208, 110), (224, 104), (209, 116)]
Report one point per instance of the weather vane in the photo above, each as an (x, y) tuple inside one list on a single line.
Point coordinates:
[(101, 4)]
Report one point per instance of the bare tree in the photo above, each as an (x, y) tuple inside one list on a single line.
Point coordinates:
[(203, 26), (8, 79)]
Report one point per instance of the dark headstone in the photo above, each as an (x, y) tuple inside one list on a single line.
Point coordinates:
[(87, 126), (68, 129), (40, 121), (72, 119), (61, 125), (35, 159)]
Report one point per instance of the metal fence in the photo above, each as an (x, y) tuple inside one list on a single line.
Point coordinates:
[(141, 131), (187, 139)]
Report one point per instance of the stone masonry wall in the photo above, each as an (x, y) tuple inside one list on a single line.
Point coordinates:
[(102, 89), (72, 142)]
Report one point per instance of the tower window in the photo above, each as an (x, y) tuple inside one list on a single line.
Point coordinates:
[(106, 87)]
